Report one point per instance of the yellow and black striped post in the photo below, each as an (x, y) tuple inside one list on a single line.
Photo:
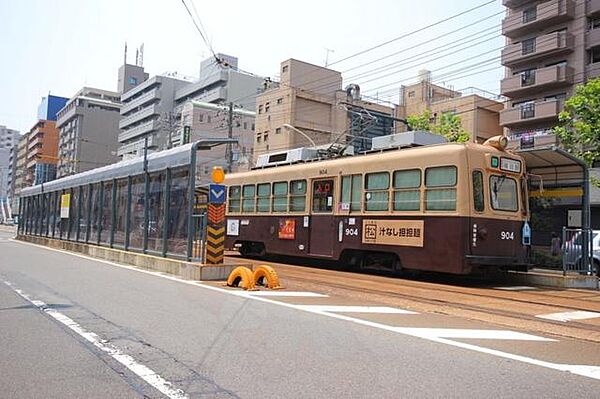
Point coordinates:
[(215, 229)]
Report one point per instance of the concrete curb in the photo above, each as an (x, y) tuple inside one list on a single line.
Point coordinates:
[(183, 269), (554, 280)]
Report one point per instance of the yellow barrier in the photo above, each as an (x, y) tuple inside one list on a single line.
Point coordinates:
[(266, 276), (241, 277)]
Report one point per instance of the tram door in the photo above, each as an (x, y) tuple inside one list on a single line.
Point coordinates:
[(321, 219)]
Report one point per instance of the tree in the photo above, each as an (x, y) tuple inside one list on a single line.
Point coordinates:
[(448, 125), (579, 122)]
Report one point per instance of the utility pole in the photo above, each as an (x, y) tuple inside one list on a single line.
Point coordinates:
[(229, 150)]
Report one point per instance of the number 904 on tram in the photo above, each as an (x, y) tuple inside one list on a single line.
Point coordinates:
[(451, 208)]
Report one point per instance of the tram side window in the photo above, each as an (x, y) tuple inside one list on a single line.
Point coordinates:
[(376, 191), (235, 202), (280, 196), (248, 193), (297, 195), (407, 196), (351, 191), (478, 200), (440, 184), (503, 193), (263, 199)]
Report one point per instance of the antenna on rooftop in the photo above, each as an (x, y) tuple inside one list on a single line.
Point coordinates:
[(125, 54)]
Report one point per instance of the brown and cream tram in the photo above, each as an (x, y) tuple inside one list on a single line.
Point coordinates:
[(449, 208)]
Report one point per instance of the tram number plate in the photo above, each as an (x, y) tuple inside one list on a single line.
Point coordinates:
[(507, 235), (352, 231)]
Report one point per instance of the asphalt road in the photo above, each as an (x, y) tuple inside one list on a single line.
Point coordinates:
[(210, 343)]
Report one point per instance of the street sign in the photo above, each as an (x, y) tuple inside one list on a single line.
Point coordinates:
[(65, 203), (216, 194)]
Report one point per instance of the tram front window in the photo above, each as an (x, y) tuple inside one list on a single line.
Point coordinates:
[(503, 192)]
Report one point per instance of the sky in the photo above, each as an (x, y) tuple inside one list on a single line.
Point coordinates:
[(59, 46)]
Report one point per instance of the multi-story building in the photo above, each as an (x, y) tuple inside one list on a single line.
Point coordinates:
[(144, 112), (309, 108), (478, 111), (8, 141), (551, 47), (20, 171), (203, 108), (88, 131), (42, 153)]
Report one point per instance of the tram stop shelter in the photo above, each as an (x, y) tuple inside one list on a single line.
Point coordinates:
[(145, 204), (554, 172)]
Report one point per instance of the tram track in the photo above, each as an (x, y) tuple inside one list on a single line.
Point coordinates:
[(508, 308)]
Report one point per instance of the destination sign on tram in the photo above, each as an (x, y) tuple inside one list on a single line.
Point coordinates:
[(510, 165)]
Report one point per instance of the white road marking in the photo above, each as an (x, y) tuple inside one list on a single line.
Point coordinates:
[(139, 369), (568, 316), (354, 309), (460, 333), (516, 288), (582, 370), (287, 293)]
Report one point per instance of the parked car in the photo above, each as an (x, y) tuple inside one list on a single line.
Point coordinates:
[(572, 249)]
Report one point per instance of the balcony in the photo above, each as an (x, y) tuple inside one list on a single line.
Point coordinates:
[(138, 116), (531, 113), (143, 128), (544, 14), (592, 38), (538, 80), (592, 70), (593, 8), (543, 46), (141, 100), (135, 146), (515, 3)]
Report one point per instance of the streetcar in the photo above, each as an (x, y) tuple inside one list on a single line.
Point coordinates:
[(452, 208)]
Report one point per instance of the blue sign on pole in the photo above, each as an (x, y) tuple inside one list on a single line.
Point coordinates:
[(216, 194)]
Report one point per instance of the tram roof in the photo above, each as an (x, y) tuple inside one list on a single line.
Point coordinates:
[(172, 158)]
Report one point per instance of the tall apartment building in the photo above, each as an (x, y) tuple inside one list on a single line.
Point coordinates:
[(309, 106), (551, 47), (8, 141), (479, 114), (143, 112), (42, 153), (20, 171), (203, 107), (88, 131)]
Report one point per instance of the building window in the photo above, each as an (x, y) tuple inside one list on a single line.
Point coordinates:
[(528, 46), (527, 110), (260, 109), (529, 14), (284, 69), (258, 137), (208, 118), (279, 101), (411, 93), (267, 105), (245, 125), (266, 137), (594, 23), (201, 118), (253, 127), (528, 77), (278, 130), (133, 81), (595, 55)]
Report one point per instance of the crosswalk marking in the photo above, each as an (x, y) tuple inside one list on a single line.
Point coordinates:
[(516, 288), (285, 293), (458, 333), (568, 316), (354, 309)]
